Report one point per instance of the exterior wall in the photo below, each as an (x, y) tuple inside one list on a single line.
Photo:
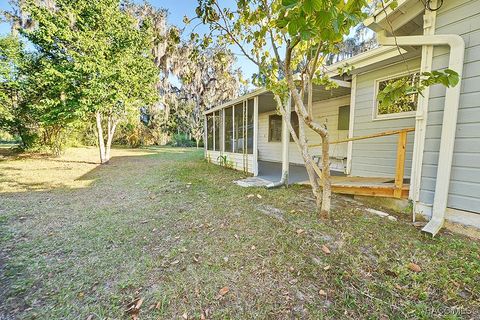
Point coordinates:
[(327, 109), (237, 161), (463, 18), (377, 157)]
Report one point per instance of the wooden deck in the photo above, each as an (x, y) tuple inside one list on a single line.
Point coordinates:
[(367, 186)]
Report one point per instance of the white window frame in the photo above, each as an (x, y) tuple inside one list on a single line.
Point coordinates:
[(399, 115)]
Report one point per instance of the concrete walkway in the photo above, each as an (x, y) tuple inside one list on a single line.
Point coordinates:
[(272, 171)]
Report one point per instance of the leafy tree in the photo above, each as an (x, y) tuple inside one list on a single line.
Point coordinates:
[(165, 50), (288, 40), (17, 115), (208, 77), (99, 57)]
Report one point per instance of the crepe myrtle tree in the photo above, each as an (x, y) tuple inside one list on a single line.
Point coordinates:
[(105, 52), (289, 40)]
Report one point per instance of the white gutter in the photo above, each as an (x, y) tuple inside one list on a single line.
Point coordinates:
[(452, 101)]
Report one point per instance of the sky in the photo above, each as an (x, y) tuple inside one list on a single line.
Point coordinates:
[(177, 10)]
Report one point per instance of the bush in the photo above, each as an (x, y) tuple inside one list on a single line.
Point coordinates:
[(182, 140)]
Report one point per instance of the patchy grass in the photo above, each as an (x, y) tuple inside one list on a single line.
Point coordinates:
[(78, 239)]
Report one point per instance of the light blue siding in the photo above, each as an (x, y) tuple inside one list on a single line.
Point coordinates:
[(463, 18), (377, 157)]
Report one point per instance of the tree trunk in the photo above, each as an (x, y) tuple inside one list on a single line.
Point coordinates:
[(101, 141), (325, 195), (111, 130), (314, 173), (327, 183)]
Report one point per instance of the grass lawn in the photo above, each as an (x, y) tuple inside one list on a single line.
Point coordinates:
[(82, 241)]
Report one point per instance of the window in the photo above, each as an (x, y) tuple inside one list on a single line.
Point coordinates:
[(343, 117), (209, 131), (405, 106), (275, 126), (228, 129)]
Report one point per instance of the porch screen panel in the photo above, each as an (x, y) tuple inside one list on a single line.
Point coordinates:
[(239, 141), (218, 130), (228, 129), (209, 131), (250, 127)]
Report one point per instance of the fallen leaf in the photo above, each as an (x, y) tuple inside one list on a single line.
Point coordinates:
[(90, 317), (414, 267), (325, 249), (253, 247), (259, 196), (139, 304), (133, 308), (185, 316), (322, 292), (223, 291), (250, 195), (158, 305), (300, 231), (174, 262), (326, 268)]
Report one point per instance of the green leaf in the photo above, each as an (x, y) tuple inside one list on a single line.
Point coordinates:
[(308, 6), (293, 27), (317, 4), (289, 3)]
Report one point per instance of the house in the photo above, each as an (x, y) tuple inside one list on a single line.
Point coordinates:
[(425, 149)]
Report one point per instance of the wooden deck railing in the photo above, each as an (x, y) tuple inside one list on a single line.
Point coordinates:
[(401, 152)]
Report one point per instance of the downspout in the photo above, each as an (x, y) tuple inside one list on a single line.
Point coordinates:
[(285, 149), (452, 101)]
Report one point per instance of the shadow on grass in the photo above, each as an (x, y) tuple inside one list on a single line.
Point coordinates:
[(40, 172)]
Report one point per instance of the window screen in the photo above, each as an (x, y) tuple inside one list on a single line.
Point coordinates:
[(239, 128), (218, 131), (249, 137), (209, 131), (228, 130)]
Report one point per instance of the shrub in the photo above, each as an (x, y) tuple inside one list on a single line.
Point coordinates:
[(182, 140)]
